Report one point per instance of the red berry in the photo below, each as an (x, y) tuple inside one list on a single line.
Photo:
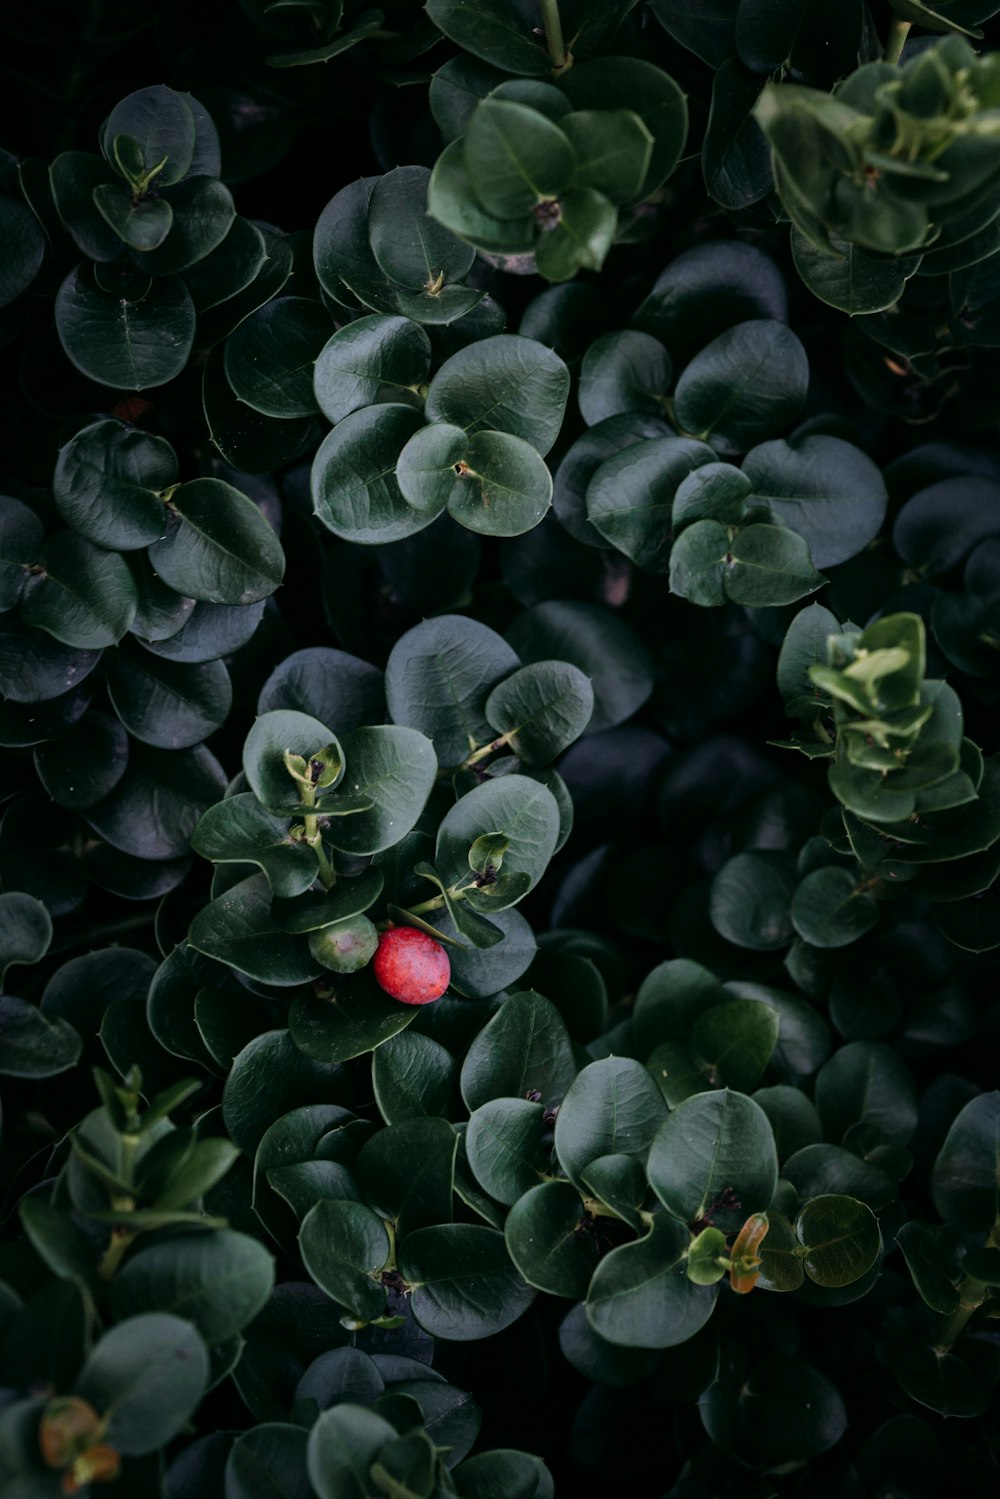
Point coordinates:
[(411, 966)]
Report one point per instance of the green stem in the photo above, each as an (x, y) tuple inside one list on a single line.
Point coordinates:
[(327, 873), (121, 1238), (483, 751), (553, 34), (434, 904), (898, 32)]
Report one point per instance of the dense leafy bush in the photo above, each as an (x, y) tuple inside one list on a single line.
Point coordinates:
[(454, 457)]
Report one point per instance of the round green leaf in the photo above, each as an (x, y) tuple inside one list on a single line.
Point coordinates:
[(218, 1280), (270, 1077), (852, 279), (842, 1238), (464, 1285), (354, 488), (541, 709), (27, 930), (486, 31), (247, 439), (829, 909), (406, 1173), (203, 214), (516, 158), (523, 810), (344, 1247), (789, 1411), (734, 1041), (503, 1145), (239, 831), (613, 1107), (747, 385), (412, 1077), (140, 223), (603, 646), (219, 548), (525, 1048), (146, 1400), (107, 484), (135, 336), (269, 359), (355, 1019), (714, 1159), (392, 768), (371, 360), (343, 1445), (410, 247), (867, 1082), (489, 481), (631, 83), (828, 491), (623, 372), (275, 734), (640, 1295), (504, 384), (630, 497), (259, 1454), (21, 538), (239, 930), (153, 809), (33, 1045), (23, 243), (750, 900), (964, 1178), (165, 703), (85, 597), (161, 125), (552, 1240)]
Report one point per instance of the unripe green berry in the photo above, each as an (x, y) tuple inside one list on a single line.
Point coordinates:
[(345, 946)]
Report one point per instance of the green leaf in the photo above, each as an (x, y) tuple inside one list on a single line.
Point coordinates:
[(344, 1247), (516, 158), (24, 249), (27, 930), (489, 481), (239, 831), (259, 1454), (630, 497), (552, 1240), (965, 1177), (107, 484), (623, 372), (33, 1045), (734, 1041), (166, 703), (21, 538), (161, 126), (153, 809), (406, 1173), (354, 487), (713, 1158), (464, 1285), (412, 1076), (269, 1077), (609, 83), (541, 709), (351, 895), (393, 769), (851, 279), (523, 810), (640, 1295), (613, 1107), (867, 1082), (218, 1280), (828, 491), (830, 909), (355, 1019), (581, 236), (343, 1444), (368, 361), (957, 1383), (84, 596), (219, 547), (438, 678), (934, 1253), (488, 30), (410, 248), (746, 386), (750, 900), (275, 736), (269, 359), (606, 650), (502, 384), (613, 151), (131, 332), (146, 1401), (204, 213), (524, 1049), (140, 223), (238, 929), (789, 1410), (842, 1238), (503, 1143)]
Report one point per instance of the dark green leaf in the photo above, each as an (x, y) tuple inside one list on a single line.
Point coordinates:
[(714, 1159), (613, 1107), (640, 1294), (135, 335), (146, 1400), (502, 384), (464, 1285), (219, 547), (269, 359)]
